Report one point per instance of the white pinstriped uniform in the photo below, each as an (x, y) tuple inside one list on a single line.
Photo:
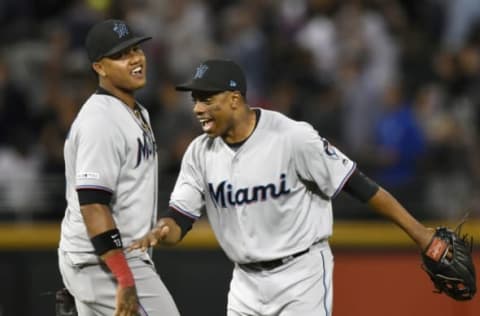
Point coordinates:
[(269, 199), (109, 148)]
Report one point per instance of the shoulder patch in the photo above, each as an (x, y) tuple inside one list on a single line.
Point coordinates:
[(330, 150)]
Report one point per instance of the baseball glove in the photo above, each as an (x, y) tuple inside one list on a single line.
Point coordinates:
[(448, 262)]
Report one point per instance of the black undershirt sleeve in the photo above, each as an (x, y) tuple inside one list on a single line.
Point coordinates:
[(89, 196), (360, 186), (183, 221)]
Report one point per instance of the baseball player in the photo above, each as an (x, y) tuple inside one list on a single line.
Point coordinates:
[(111, 175), (266, 183)]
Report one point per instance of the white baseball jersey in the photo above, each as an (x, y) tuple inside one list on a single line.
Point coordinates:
[(271, 197), (109, 148)]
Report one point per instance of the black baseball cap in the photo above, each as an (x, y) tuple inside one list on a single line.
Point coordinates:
[(216, 75), (110, 37)]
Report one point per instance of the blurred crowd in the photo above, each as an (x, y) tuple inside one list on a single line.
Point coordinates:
[(394, 84)]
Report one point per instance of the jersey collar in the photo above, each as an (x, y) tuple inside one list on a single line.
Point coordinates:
[(101, 90), (237, 145)]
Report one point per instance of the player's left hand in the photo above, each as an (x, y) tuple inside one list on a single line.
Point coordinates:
[(151, 239), (166, 231)]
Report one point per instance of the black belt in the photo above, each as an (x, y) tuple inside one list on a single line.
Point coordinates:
[(272, 264)]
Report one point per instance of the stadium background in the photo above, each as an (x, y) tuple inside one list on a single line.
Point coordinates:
[(393, 83)]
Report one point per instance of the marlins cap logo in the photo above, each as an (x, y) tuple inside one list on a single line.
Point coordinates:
[(201, 70), (121, 29), (232, 84)]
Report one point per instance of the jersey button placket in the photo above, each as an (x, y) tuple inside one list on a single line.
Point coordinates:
[(241, 215)]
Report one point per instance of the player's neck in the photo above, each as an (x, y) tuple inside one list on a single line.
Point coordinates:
[(243, 128), (126, 97)]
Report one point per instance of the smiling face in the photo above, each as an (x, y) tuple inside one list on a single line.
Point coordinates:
[(123, 73), (216, 112)]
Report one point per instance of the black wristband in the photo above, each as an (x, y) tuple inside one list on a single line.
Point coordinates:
[(106, 241), (184, 222)]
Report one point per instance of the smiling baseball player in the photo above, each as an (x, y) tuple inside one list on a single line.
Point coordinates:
[(111, 176), (266, 183)]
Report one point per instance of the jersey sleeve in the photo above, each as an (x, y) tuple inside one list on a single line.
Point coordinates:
[(319, 161), (188, 194), (99, 155)]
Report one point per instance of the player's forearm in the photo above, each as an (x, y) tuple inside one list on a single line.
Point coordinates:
[(117, 263), (386, 205), (107, 242), (98, 218)]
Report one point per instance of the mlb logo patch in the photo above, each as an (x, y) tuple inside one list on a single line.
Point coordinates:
[(88, 175)]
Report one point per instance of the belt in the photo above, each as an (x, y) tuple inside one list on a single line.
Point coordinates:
[(272, 264)]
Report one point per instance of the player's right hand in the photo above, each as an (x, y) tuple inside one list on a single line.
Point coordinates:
[(127, 302)]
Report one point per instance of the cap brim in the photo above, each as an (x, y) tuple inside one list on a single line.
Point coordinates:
[(196, 86), (126, 44)]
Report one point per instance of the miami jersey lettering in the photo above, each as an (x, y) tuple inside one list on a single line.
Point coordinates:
[(224, 192), (146, 148)]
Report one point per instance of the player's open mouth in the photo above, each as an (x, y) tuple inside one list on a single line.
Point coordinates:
[(137, 72), (207, 124)]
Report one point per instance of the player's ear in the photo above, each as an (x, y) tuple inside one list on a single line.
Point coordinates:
[(98, 68), (235, 98)]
